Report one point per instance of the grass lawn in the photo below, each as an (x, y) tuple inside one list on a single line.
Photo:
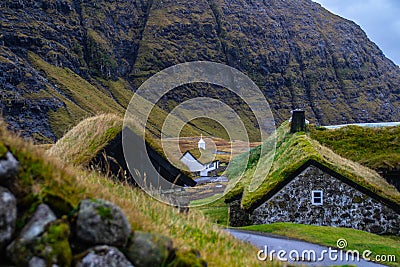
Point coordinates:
[(216, 212), (328, 236)]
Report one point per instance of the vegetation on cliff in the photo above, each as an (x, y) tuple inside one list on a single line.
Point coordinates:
[(66, 60)]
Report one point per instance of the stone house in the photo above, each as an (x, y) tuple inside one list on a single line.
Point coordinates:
[(318, 187)]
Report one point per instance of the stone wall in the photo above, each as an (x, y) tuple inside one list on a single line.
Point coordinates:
[(343, 205), (237, 216)]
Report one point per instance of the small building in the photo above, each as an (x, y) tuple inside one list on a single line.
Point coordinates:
[(198, 168), (201, 144), (310, 184)]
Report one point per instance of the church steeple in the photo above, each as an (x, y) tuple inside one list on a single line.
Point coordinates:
[(201, 144)]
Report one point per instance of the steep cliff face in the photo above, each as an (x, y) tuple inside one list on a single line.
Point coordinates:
[(62, 60)]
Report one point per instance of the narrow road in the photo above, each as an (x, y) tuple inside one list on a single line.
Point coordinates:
[(300, 252)]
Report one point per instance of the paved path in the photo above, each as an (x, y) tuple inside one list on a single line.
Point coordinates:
[(269, 243)]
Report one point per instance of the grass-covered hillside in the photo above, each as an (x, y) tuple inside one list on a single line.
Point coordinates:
[(62, 61), (377, 148), (292, 151), (48, 179)]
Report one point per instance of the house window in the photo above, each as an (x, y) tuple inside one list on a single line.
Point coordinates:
[(317, 197)]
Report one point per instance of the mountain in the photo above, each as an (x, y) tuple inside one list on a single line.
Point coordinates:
[(64, 60)]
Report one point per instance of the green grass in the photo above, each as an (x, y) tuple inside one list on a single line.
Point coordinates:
[(120, 90), (82, 99), (328, 236), (214, 208), (85, 98), (377, 148), (292, 151), (80, 91)]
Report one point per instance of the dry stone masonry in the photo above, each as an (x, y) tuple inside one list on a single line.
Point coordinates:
[(97, 234)]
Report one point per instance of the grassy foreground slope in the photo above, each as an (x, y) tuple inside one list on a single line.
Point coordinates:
[(46, 179)]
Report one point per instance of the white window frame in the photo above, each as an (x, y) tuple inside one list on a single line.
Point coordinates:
[(313, 197)]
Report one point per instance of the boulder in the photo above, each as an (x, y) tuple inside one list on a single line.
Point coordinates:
[(36, 226), (37, 262), (103, 256), (101, 222), (43, 238), (8, 216), (8, 168), (148, 249)]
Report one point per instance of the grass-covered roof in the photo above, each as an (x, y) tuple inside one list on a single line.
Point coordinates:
[(83, 142), (292, 152)]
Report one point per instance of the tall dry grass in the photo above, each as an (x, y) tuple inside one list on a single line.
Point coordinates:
[(84, 141)]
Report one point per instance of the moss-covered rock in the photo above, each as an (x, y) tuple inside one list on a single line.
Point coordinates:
[(149, 249), (51, 246), (103, 256), (101, 222)]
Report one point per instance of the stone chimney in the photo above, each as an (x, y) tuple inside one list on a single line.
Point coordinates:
[(298, 121)]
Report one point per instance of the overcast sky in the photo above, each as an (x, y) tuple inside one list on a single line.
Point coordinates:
[(380, 19)]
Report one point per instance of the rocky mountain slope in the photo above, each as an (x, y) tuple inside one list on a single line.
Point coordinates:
[(63, 60)]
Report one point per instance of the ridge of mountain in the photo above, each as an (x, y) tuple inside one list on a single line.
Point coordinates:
[(64, 60)]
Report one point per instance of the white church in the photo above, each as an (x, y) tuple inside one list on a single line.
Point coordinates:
[(196, 166)]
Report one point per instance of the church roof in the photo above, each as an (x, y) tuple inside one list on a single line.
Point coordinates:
[(201, 141), (294, 152), (201, 144)]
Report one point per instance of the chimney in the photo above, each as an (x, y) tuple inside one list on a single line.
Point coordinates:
[(298, 121)]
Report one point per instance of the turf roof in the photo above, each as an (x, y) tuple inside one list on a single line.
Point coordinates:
[(293, 151), (83, 142)]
